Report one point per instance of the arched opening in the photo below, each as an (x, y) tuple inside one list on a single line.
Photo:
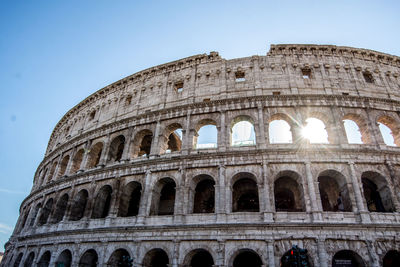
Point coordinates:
[(391, 259), (17, 261), (52, 170), (347, 258), (199, 258), (156, 258), (29, 260), (242, 132), (43, 178), (204, 196), (60, 209), (25, 218), (376, 192), (142, 144), (94, 155), (79, 205), (280, 132), (334, 191), (77, 161), (120, 257), (352, 132), (245, 193), (292, 256), (130, 200), (389, 129), (35, 213), (63, 166), (171, 139), (247, 258), (288, 193), (102, 203), (89, 259), (44, 260), (64, 259), (116, 149), (206, 135), (44, 215), (163, 197), (314, 131)]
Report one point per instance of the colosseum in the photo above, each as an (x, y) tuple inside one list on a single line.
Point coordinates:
[(211, 162)]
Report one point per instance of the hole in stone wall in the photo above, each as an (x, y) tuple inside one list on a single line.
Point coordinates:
[(118, 258), (89, 259), (279, 132), (352, 132), (247, 258), (44, 215), (288, 195), (45, 259), (204, 197), (79, 205), (368, 77), (95, 155), (77, 161), (347, 258), (206, 137), (242, 133), (116, 149), (156, 258), (60, 209), (65, 259), (240, 76), (245, 196), (306, 73), (102, 203), (130, 200)]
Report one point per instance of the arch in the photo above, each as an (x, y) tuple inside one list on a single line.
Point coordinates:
[(293, 253), (17, 261), (44, 260), (24, 219), (288, 193), (206, 135), (141, 146), (116, 149), (199, 258), (94, 155), (35, 213), (79, 205), (334, 191), (315, 131), (348, 257), (156, 257), (242, 131), (60, 209), (204, 194), (63, 166), (280, 132), (163, 197), (130, 200), (246, 258), (45, 213), (118, 258), (43, 178), (360, 127), (29, 260), (391, 259), (391, 135), (245, 193), (376, 192), (64, 259), (102, 202), (353, 132), (77, 160), (89, 259), (171, 140)]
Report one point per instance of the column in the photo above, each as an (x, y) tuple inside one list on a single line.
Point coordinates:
[(220, 207), (55, 174), (261, 141), (175, 255), (271, 253), (357, 192), (126, 154), (155, 150), (115, 197), (144, 206), (220, 261), (85, 156), (104, 152), (372, 253), (323, 259), (268, 209), (186, 146), (179, 196), (222, 133), (317, 216), (70, 162)]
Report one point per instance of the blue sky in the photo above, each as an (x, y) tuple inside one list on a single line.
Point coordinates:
[(55, 53)]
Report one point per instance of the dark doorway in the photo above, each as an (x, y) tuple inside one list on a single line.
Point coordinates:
[(156, 258), (204, 197), (89, 259), (247, 259), (391, 259), (347, 258), (245, 196)]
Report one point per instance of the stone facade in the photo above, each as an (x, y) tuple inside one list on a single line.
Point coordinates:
[(112, 184)]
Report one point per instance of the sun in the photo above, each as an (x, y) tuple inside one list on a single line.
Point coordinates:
[(315, 131)]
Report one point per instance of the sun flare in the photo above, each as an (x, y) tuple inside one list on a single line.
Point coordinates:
[(315, 131)]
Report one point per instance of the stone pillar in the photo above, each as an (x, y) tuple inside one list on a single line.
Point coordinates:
[(222, 133), (261, 141), (155, 150), (75, 255), (323, 258), (145, 199), (316, 213), (357, 193), (268, 208), (270, 253), (179, 196), (85, 156), (115, 197), (220, 260), (372, 253), (127, 146), (220, 207), (70, 162), (187, 143), (175, 255), (55, 174), (53, 256), (104, 152)]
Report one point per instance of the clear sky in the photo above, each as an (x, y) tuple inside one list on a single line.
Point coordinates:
[(53, 54)]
